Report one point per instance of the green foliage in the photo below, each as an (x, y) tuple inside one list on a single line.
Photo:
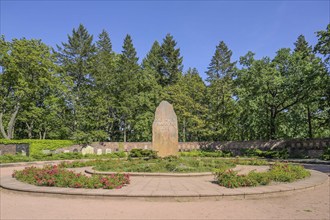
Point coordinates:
[(279, 172), (87, 91), (283, 172), (7, 158), (142, 153), (220, 95), (170, 164), (59, 177), (326, 154), (277, 154), (171, 65), (201, 153), (231, 179), (323, 45)]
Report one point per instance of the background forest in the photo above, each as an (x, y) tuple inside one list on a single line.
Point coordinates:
[(83, 90)]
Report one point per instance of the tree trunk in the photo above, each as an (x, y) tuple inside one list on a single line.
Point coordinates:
[(272, 129), (309, 118), (29, 129), (124, 132), (44, 135), (2, 129), (11, 125), (184, 130)]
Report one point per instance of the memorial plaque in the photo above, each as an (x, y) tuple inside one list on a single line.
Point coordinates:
[(108, 151), (165, 131), (99, 152), (87, 150)]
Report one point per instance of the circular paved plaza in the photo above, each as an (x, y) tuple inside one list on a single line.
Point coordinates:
[(167, 198)]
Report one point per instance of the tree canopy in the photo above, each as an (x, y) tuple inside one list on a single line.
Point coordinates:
[(84, 90)]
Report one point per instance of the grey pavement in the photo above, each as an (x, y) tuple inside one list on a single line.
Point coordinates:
[(149, 187)]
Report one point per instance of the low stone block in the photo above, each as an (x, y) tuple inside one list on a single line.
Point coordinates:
[(87, 150), (99, 152)]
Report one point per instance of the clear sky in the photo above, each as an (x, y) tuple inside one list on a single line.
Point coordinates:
[(198, 26)]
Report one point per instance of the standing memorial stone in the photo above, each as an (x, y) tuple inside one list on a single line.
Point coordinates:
[(165, 131)]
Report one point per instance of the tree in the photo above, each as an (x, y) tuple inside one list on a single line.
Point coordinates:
[(221, 93), (323, 44), (188, 99), (104, 87), (153, 61), (77, 57), (274, 87), (28, 83), (171, 65), (126, 87)]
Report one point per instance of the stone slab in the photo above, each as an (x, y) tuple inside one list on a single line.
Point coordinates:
[(165, 131)]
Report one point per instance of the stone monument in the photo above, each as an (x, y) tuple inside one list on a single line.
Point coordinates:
[(165, 131)]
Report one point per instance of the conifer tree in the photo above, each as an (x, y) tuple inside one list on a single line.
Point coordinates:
[(76, 57), (103, 99), (171, 66), (220, 93), (126, 87), (153, 62)]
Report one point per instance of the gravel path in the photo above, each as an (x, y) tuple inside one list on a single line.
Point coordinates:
[(310, 204)]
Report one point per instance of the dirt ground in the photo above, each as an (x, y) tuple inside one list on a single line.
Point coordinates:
[(309, 204)]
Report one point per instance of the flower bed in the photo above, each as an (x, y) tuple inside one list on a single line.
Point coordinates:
[(279, 172), (59, 177)]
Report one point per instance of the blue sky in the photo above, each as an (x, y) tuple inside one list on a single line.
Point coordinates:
[(198, 26)]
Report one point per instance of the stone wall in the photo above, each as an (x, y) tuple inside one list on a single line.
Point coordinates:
[(23, 149), (312, 148)]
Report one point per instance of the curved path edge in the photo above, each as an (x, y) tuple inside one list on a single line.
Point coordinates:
[(89, 170), (135, 191)]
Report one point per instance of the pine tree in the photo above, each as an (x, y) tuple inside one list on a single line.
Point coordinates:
[(171, 67), (77, 59), (220, 92), (153, 62), (221, 65), (126, 87), (103, 99)]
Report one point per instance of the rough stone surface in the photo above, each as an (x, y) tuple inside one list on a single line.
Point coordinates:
[(165, 130)]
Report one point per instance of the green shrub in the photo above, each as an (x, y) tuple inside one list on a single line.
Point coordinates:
[(142, 153), (206, 153), (279, 172), (284, 172), (326, 154), (255, 152), (56, 176)]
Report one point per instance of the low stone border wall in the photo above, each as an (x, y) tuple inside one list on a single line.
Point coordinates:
[(23, 149), (312, 148)]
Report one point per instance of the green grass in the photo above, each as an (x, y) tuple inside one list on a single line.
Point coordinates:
[(7, 158), (165, 165)]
